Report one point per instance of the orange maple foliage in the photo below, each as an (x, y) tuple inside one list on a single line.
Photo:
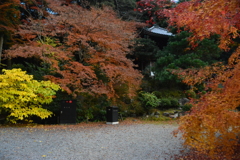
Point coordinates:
[(204, 18), (96, 38), (212, 125)]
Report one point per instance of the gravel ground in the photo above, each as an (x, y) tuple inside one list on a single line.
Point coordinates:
[(102, 142)]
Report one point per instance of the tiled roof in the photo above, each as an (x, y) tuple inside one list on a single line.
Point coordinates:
[(158, 31)]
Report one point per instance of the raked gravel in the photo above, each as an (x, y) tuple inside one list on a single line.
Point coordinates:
[(103, 142)]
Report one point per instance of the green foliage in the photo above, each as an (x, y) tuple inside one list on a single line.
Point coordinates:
[(179, 54), (149, 84), (168, 93), (190, 94), (145, 47), (165, 103), (21, 96), (187, 107), (144, 51), (126, 5), (208, 50), (121, 90), (134, 108), (100, 74), (138, 110), (158, 94), (91, 107), (86, 114), (37, 69), (149, 100), (168, 98), (174, 102)]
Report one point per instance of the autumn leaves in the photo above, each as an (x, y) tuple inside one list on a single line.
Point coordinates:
[(76, 43), (215, 112)]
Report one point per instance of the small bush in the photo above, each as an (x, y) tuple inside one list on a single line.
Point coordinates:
[(190, 94), (174, 102), (137, 108), (149, 100), (167, 103), (187, 107)]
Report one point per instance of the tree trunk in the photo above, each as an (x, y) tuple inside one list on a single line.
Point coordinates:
[(1, 47), (117, 8), (9, 63)]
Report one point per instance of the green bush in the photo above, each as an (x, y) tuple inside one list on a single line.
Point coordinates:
[(165, 103), (124, 109), (148, 85), (187, 107), (149, 100), (137, 108), (190, 94), (158, 94), (130, 107), (174, 102), (168, 93), (91, 108)]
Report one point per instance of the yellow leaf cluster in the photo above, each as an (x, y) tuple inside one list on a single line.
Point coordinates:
[(21, 96)]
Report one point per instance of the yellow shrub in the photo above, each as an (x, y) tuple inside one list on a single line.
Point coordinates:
[(21, 96)]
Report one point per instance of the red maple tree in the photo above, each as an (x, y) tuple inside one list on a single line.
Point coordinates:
[(85, 49)]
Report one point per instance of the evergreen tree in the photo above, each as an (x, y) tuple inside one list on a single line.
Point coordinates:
[(179, 54)]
